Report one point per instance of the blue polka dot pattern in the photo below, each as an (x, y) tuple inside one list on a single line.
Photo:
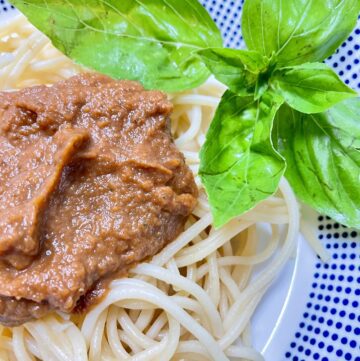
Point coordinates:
[(330, 325)]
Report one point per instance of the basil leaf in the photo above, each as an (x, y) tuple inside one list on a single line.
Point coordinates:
[(311, 87), (238, 164), (298, 31), (322, 152), (238, 69), (153, 41)]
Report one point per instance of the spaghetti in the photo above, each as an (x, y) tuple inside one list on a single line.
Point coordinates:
[(192, 301)]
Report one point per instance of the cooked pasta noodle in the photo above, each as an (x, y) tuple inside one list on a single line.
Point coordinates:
[(195, 299)]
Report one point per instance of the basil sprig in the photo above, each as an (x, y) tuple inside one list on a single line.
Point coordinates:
[(285, 111)]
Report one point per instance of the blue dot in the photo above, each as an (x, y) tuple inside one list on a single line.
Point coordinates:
[(312, 341), (293, 345), (347, 290), (321, 319), (288, 355), (334, 337), (348, 328), (339, 353), (317, 330), (302, 325), (350, 278), (342, 313), (301, 348), (348, 356), (357, 331), (326, 333), (324, 359), (352, 316), (330, 348), (305, 338), (344, 340), (338, 288), (324, 309), (355, 304), (297, 334), (338, 325), (307, 352), (321, 344), (316, 356), (329, 322), (352, 344)]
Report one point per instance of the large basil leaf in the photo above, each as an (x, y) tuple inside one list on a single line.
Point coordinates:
[(238, 69), (153, 41), (311, 87), (298, 31), (239, 166), (322, 152)]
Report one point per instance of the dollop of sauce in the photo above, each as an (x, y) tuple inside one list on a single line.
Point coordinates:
[(91, 183)]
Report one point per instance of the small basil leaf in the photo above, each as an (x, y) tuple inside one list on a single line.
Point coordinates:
[(262, 84), (298, 31), (152, 41), (239, 166), (322, 152), (237, 69), (311, 87)]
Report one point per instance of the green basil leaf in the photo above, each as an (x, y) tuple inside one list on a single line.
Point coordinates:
[(322, 152), (238, 164), (238, 69), (298, 31), (311, 87), (153, 41)]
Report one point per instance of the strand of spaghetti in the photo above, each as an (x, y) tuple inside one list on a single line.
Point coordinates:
[(132, 288), (133, 332), (212, 243), (187, 236), (233, 329), (243, 260), (195, 99), (97, 337), (229, 283), (23, 58), (49, 349), (19, 345), (134, 347), (11, 25), (144, 319), (242, 352), (195, 114), (112, 335), (214, 278), (309, 233), (157, 326), (173, 341), (78, 343), (184, 284)]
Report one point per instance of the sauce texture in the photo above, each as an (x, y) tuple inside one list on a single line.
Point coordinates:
[(91, 183)]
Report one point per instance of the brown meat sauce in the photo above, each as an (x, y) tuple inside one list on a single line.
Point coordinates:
[(90, 184)]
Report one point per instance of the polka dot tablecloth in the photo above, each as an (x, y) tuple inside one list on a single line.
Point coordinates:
[(326, 325)]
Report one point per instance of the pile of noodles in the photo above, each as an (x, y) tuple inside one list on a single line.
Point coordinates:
[(192, 301)]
